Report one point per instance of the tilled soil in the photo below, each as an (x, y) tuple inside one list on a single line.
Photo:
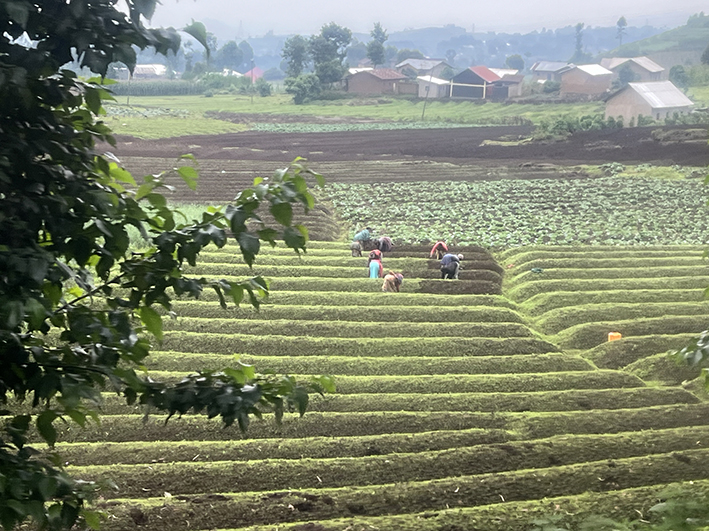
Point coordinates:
[(457, 145)]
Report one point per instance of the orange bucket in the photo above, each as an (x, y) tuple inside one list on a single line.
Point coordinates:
[(613, 336)]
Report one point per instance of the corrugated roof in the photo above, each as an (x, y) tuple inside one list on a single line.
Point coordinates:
[(504, 71), (594, 70), (420, 64), (434, 80), (512, 79), (485, 73), (660, 94), (358, 69), (548, 66), (644, 62), (386, 73)]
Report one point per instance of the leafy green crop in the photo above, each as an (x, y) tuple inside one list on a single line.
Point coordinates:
[(601, 211)]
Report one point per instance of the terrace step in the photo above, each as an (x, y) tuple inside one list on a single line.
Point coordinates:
[(346, 329), (527, 425), (464, 491), (459, 383), (280, 345), (384, 314), (623, 352), (612, 274), (319, 363), (564, 400)]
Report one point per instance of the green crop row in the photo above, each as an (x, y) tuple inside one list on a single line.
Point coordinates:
[(560, 319), (545, 302), (566, 400), (464, 383), (139, 481), (404, 498), (623, 352), (527, 425), (529, 289), (323, 312), (374, 366), (609, 275), (524, 254), (315, 298), (588, 262), (664, 369), (587, 336), (567, 511), (411, 347), (346, 329)]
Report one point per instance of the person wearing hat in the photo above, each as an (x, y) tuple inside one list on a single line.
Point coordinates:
[(392, 282), (450, 266)]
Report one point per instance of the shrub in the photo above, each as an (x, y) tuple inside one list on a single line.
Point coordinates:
[(304, 88)]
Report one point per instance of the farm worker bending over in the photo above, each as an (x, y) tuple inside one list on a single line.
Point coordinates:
[(356, 248), (363, 237), (376, 269), (439, 249), (385, 244), (450, 265), (392, 282)]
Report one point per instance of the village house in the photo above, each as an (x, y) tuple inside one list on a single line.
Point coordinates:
[(422, 67), (375, 81), (433, 87), (656, 99), (254, 74), (645, 69), (476, 82), (547, 70), (589, 80)]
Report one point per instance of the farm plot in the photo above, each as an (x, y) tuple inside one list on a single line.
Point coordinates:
[(510, 213), (654, 297), (450, 405)]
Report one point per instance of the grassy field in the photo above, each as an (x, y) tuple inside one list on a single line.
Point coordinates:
[(190, 110)]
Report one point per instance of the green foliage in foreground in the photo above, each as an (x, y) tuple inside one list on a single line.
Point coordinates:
[(603, 211)]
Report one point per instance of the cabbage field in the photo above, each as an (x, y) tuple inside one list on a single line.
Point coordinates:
[(504, 213)]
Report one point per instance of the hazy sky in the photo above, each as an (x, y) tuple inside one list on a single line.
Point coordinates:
[(307, 16)]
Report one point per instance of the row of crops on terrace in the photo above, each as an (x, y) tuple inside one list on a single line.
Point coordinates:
[(454, 409), (509, 213)]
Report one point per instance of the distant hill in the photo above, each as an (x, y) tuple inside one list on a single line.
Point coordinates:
[(683, 45)]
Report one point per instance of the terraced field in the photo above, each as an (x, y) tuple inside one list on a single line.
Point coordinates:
[(474, 404)]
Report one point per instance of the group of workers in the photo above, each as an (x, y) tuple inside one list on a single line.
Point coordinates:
[(450, 263)]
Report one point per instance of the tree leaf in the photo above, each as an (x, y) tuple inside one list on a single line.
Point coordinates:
[(152, 321), (283, 213), (199, 33), (45, 426)]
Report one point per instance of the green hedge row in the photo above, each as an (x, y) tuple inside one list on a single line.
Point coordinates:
[(527, 425), (345, 329), (609, 275), (565, 400), (517, 458), (377, 299), (623, 352), (568, 511), (527, 290), (555, 321), (663, 368), (324, 312), (374, 366), (608, 263), (463, 491), (464, 383), (545, 302), (611, 251), (410, 347), (587, 336)]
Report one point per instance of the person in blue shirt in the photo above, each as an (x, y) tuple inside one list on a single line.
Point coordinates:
[(450, 266)]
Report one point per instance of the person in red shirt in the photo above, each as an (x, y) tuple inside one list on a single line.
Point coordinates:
[(439, 249)]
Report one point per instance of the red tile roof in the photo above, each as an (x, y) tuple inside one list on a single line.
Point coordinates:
[(485, 73)]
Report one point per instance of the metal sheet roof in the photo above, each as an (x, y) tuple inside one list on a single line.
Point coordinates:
[(595, 70), (420, 64), (648, 64), (548, 66), (386, 73), (434, 80), (504, 71), (644, 62), (661, 94)]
